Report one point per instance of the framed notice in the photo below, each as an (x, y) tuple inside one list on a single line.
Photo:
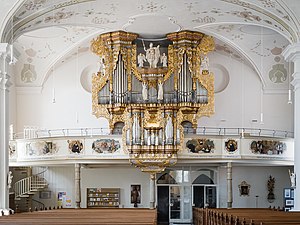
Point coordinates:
[(287, 193)]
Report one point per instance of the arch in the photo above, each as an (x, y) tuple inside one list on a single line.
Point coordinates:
[(187, 127), (118, 127), (203, 179), (204, 176), (166, 178)]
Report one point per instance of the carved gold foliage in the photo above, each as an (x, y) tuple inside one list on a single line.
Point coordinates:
[(170, 62), (207, 44), (98, 82), (134, 64)]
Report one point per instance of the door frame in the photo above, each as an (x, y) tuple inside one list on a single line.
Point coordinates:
[(206, 185)]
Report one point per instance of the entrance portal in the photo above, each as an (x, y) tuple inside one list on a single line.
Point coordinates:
[(179, 190)]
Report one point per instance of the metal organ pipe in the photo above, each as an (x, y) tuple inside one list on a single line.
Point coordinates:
[(119, 76), (183, 78)]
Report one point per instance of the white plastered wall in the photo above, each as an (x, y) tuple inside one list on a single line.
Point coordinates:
[(236, 106), (257, 177)]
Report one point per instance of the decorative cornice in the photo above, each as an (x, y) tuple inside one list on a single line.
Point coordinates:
[(296, 80), (4, 48), (4, 81), (29, 90), (292, 52)]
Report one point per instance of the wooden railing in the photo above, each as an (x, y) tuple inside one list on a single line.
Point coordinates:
[(245, 216)]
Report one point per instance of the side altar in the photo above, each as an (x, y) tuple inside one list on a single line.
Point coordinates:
[(151, 89)]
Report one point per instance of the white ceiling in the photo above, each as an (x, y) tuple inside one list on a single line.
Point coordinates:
[(48, 32)]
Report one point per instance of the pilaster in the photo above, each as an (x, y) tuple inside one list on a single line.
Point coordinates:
[(229, 185), (152, 191), (77, 186), (292, 53), (4, 130)]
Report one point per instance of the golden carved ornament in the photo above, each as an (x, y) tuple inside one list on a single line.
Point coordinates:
[(206, 45), (98, 83)]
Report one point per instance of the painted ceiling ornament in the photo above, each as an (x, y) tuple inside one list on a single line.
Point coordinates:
[(278, 74), (28, 73), (34, 4)]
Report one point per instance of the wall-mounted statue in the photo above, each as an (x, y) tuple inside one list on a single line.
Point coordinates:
[(164, 60), (160, 95), (292, 179), (141, 60), (101, 65), (144, 91), (152, 55)]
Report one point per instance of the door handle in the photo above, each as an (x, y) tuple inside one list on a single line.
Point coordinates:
[(171, 204)]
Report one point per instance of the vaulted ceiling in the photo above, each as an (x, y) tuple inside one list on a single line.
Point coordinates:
[(46, 33)]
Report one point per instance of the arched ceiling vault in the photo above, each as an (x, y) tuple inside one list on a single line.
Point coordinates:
[(253, 31)]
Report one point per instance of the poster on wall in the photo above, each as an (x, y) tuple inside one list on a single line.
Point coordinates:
[(60, 198), (64, 200)]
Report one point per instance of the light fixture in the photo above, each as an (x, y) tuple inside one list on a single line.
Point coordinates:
[(261, 118), (12, 60), (53, 96), (290, 97), (289, 83)]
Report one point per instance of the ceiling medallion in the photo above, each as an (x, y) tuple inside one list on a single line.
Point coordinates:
[(157, 25), (152, 88)]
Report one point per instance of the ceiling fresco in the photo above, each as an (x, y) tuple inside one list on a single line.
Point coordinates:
[(50, 32)]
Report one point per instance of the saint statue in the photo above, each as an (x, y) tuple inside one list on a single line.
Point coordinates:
[(160, 95), (101, 66), (152, 55), (136, 130), (164, 60), (169, 130), (141, 60), (204, 64), (144, 91), (9, 179), (293, 179)]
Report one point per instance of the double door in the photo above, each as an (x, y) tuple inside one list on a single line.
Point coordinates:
[(205, 196), (174, 204)]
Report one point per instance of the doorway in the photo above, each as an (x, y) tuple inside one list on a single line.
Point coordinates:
[(179, 190)]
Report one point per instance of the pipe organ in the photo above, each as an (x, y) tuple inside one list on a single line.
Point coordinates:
[(153, 88)]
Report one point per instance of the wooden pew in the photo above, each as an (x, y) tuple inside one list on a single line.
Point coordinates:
[(248, 216), (84, 217)]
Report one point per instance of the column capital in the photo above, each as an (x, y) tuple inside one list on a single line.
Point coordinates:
[(292, 52), (4, 81), (4, 48), (296, 80)]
